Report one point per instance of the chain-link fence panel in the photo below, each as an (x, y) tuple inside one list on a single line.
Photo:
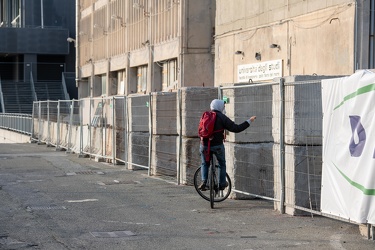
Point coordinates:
[(95, 127), (303, 146), (121, 126), (35, 121), (108, 128), (43, 122), (139, 132), (250, 154), (52, 115)]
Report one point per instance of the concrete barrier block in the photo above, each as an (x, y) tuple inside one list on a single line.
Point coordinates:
[(190, 159), (52, 138), (164, 113), (138, 113), (194, 101), (96, 137), (75, 139), (303, 114), (43, 130), (164, 155), (303, 171), (246, 102), (138, 150), (251, 168), (366, 230), (121, 145), (108, 142), (85, 138)]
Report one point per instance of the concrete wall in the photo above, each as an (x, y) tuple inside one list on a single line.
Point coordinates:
[(315, 37), (182, 31), (244, 14), (7, 136)]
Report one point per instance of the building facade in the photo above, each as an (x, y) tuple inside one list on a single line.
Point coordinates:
[(35, 52), (128, 46), (262, 39)]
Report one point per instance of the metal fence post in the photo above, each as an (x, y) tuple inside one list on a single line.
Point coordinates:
[(32, 123), (113, 131), (58, 126), (48, 126), (70, 126), (90, 124), (179, 153), (219, 92), (39, 120), (282, 146), (102, 125), (81, 128), (126, 124), (150, 133)]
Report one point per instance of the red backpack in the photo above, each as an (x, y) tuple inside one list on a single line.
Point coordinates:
[(206, 129)]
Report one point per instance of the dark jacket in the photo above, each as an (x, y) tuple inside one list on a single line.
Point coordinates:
[(224, 122)]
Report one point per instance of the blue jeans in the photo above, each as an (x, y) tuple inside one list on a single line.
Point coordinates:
[(219, 152)]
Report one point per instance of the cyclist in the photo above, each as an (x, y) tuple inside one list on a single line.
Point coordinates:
[(216, 145)]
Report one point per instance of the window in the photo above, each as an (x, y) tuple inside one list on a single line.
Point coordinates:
[(121, 77), (10, 15), (142, 79), (169, 75), (84, 88), (104, 84)]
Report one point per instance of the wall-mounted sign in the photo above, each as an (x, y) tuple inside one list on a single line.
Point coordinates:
[(260, 71)]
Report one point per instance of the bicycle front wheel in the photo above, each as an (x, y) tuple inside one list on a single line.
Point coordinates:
[(220, 196), (212, 184)]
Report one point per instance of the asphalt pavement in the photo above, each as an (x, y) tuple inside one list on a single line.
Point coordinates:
[(53, 200)]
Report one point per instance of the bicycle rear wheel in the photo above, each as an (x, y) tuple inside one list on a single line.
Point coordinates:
[(220, 196)]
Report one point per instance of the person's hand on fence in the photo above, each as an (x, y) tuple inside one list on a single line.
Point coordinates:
[(251, 119)]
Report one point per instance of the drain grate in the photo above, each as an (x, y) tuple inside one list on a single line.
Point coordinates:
[(89, 172), (37, 208), (115, 234), (115, 182)]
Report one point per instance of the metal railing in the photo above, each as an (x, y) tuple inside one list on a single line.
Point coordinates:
[(21, 123), (1, 98)]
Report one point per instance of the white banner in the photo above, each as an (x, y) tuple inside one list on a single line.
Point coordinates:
[(348, 176), (267, 70)]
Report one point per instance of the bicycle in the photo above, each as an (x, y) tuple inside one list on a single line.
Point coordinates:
[(215, 194)]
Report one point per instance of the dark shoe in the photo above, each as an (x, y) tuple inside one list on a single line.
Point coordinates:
[(203, 186), (222, 187)]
